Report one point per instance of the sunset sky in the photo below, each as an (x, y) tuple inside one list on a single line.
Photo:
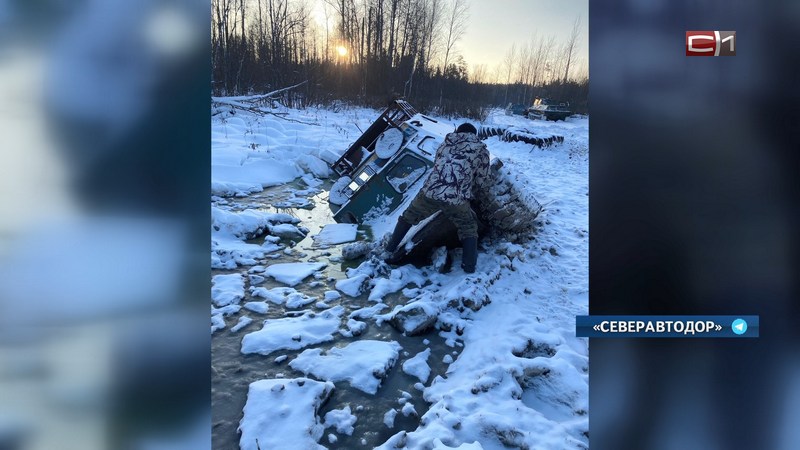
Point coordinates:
[(494, 25)]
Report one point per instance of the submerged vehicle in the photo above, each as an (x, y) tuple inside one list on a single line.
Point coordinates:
[(380, 168), (547, 109), (386, 167)]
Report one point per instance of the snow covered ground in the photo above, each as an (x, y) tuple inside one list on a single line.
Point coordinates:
[(484, 361)]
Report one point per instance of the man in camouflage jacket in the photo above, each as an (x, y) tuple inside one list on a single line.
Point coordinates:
[(460, 168)]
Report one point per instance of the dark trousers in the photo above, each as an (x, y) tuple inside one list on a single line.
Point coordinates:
[(462, 215)]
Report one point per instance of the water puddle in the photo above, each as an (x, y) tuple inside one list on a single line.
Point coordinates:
[(232, 371)]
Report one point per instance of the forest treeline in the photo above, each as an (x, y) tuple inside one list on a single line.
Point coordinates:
[(368, 52)]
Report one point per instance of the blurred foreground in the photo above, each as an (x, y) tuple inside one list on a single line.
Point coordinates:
[(103, 246)]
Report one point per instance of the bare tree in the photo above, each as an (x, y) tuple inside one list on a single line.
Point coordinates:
[(432, 29), (223, 29), (454, 28), (393, 46), (508, 62), (524, 69), (571, 46), (542, 64), (480, 74)]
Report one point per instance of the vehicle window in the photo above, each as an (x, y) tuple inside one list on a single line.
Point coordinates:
[(406, 172)]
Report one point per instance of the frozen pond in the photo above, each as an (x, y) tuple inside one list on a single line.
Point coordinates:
[(233, 371)]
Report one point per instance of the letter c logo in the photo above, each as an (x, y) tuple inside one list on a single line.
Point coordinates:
[(692, 48)]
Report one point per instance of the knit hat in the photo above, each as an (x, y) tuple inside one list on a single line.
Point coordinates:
[(466, 127)]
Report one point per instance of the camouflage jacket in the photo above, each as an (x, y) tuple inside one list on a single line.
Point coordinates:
[(461, 166)]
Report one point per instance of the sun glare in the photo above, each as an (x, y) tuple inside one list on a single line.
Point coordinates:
[(342, 51)]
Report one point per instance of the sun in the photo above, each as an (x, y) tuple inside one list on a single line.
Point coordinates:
[(342, 51)]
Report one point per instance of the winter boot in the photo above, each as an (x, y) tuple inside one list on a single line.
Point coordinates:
[(469, 257), (399, 233)]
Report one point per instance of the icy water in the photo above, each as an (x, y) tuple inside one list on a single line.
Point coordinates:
[(232, 372)]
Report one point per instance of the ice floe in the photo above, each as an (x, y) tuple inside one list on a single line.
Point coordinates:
[(336, 233), (363, 363), (293, 333), (418, 365), (227, 289), (283, 414), (341, 419), (283, 296), (293, 273)]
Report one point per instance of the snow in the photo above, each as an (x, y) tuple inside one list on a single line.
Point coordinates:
[(313, 165), (353, 286), (332, 295), (230, 229), (341, 419), (229, 253), (337, 194), (227, 289), (246, 224), (398, 279), (235, 171), (287, 231), (408, 409), (388, 418), (226, 310), (293, 273), (293, 333), (418, 365), (283, 296), (282, 413), (400, 184), (311, 181), (438, 445), (336, 233), (255, 279), (243, 322), (257, 307), (250, 153), (368, 312), (217, 323), (354, 328), (361, 363)]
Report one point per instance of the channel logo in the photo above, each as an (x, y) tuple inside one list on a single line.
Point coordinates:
[(710, 43), (739, 326)]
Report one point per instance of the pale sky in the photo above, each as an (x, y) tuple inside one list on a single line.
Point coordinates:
[(494, 25)]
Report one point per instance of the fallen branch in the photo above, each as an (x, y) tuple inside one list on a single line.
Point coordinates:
[(255, 98), (244, 103)]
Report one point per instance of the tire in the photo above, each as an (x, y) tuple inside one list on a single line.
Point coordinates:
[(522, 135), (514, 134), (488, 131)]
